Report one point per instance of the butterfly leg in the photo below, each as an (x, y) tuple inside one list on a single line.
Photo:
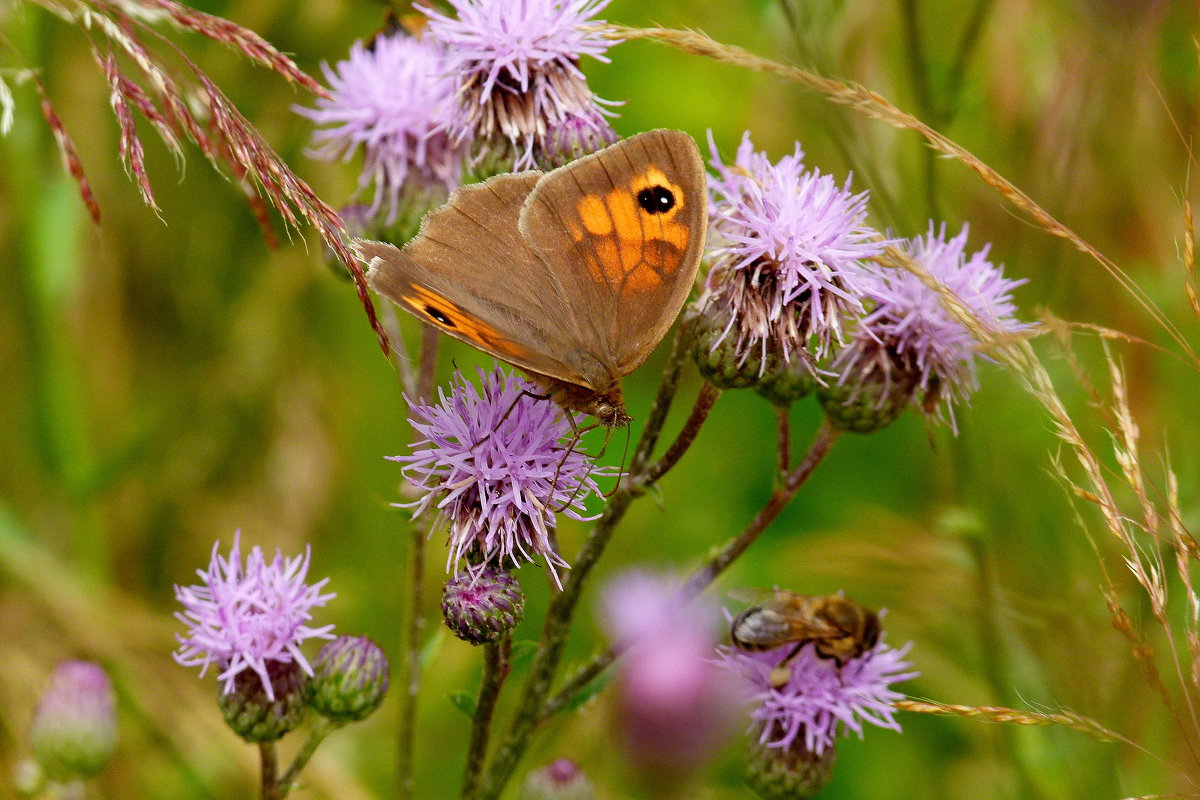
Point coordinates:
[(524, 393)]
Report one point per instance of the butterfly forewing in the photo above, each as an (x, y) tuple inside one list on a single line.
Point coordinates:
[(471, 273), (623, 231)]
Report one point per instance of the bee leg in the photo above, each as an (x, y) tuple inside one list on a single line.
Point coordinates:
[(782, 673)]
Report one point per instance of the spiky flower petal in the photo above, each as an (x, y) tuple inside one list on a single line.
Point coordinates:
[(393, 99), (493, 464), (820, 699), (249, 616), (788, 250), (521, 93), (910, 346)]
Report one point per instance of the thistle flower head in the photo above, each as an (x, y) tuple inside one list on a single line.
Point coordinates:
[(911, 341), (493, 464), (74, 727), (787, 260), (820, 699), (246, 616), (393, 100), (675, 704), (520, 90)]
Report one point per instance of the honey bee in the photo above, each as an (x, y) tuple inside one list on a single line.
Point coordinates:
[(837, 627)]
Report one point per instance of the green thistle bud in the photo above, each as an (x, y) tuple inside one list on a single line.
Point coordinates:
[(783, 382), (256, 717), (75, 727), (559, 780), (482, 606), (868, 405), (350, 679), (721, 361), (783, 773)]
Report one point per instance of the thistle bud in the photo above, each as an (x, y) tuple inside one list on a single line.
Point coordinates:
[(784, 381), (722, 359), (480, 606), (788, 773), (74, 727), (257, 718), (871, 399), (350, 679), (558, 780)]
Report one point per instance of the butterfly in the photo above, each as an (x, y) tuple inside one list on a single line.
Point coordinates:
[(573, 275)]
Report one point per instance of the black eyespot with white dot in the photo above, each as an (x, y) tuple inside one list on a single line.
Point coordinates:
[(438, 316), (656, 199)]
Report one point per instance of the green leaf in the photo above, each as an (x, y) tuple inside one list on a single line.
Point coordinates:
[(463, 701)]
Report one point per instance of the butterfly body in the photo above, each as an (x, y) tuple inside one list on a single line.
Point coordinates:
[(574, 275)]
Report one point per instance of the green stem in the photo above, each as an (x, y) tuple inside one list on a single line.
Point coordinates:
[(322, 728), (270, 765), (701, 578), (410, 674), (562, 607), (495, 670), (704, 403), (704, 576)]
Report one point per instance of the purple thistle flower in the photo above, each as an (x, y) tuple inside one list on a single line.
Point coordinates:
[(245, 616), (393, 99), (787, 264), (491, 461), (74, 728), (911, 340), (676, 706), (521, 93), (819, 701)]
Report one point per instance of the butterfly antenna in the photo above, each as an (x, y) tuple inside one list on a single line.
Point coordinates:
[(579, 432), (624, 455)]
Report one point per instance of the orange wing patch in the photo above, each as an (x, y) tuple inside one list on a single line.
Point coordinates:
[(434, 308), (635, 234)]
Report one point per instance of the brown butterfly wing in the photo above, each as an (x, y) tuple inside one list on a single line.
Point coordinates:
[(469, 272), (623, 230)]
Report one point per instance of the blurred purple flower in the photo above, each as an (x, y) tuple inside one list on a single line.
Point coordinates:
[(493, 464), (819, 701), (74, 728), (913, 339), (393, 99), (676, 705), (521, 93), (787, 260), (244, 616)]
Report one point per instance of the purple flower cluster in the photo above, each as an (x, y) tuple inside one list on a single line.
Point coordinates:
[(790, 243), (394, 99), (819, 701), (242, 616), (912, 337), (519, 83), (491, 461)]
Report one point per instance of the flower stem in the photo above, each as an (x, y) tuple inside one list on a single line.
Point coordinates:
[(321, 728), (783, 422), (562, 606), (269, 772), (410, 676), (495, 670), (704, 576), (704, 403), (783, 494)]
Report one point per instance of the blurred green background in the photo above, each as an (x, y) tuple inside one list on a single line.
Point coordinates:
[(169, 379)]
